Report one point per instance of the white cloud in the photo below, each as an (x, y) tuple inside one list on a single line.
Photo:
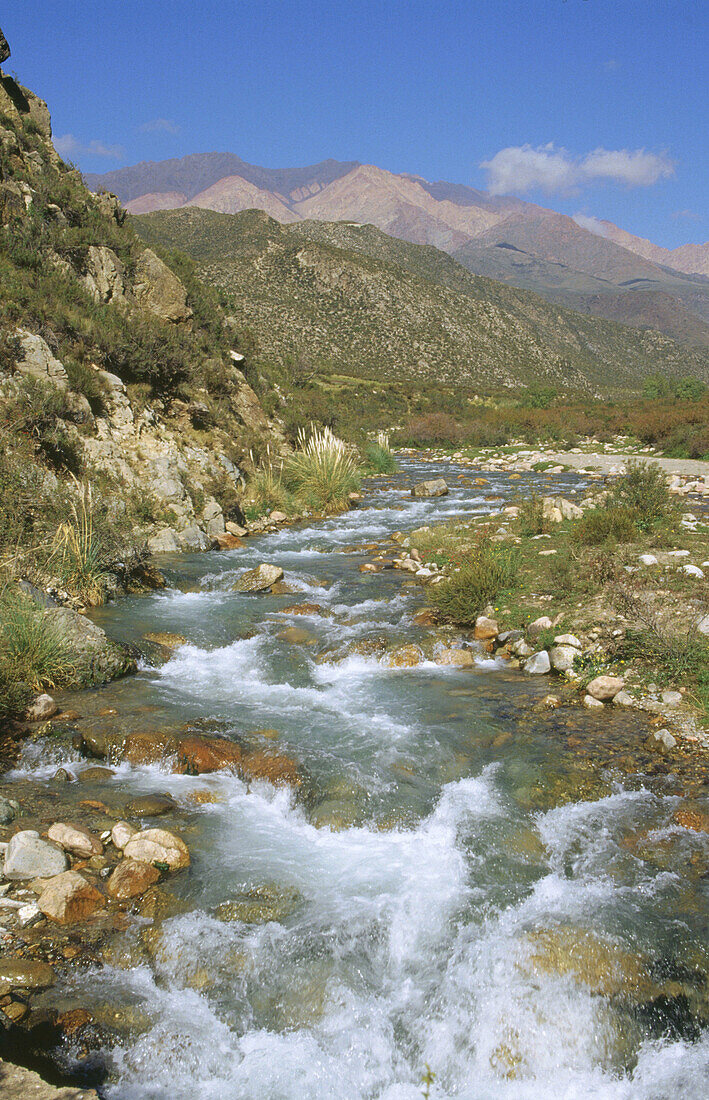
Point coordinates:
[(69, 146), (687, 215), (157, 124), (593, 225), (522, 168)]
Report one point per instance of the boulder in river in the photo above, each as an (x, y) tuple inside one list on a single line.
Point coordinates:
[(28, 856), (159, 848), (41, 708), (436, 487), (486, 628), (75, 839), (69, 897), (95, 658), (131, 878), (538, 664), (24, 974), (259, 579)]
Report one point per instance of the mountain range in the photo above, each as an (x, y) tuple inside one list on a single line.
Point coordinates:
[(607, 272), (360, 302)]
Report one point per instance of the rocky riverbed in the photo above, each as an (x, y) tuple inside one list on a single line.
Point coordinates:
[(317, 842)]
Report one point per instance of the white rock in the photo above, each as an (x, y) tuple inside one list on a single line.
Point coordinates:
[(41, 708), (678, 554), (562, 657), (671, 698), (590, 702), (538, 664), (567, 639), (29, 914), (622, 699), (121, 834), (692, 571), (647, 559), (28, 856)]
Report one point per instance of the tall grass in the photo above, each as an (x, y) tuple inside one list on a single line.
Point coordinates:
[(81, 557), (33, 654), (377, 455), (323, 471)]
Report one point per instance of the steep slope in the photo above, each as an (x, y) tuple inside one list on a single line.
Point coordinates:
[(233, 194), (115, 368), (365, 303), (693, 259)]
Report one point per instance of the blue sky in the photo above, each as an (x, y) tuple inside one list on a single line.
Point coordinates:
[(531, 88)]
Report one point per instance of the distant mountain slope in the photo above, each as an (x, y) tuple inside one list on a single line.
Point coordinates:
[(362, 302), (565, 262)]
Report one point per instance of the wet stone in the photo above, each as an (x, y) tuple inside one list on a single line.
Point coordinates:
[(151, 805)]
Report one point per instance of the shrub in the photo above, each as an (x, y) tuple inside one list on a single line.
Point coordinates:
[(643, 490), (613, 523), (484, 574), (531, 518), (32, 651), (84, 379), (433, 429), (322, 472)]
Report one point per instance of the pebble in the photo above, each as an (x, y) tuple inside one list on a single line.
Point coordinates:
[(671, 698)]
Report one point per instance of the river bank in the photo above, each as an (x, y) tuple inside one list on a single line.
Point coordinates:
[(300, 917)]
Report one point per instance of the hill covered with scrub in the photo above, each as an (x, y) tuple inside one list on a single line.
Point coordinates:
[(115, 366), (375, 306)]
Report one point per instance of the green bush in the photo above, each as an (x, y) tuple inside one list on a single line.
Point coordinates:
[(613, 523), (84, 379), (644, 490), (484, 574)]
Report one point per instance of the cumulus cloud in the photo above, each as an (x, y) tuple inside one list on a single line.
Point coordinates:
[(69, 146), (594, 225), (155, 125), (522, 168)]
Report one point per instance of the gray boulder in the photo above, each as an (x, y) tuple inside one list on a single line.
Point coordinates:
[(28, 856), (95, 658), (562, 657), (158, 289), (37, 359), (436, 487)]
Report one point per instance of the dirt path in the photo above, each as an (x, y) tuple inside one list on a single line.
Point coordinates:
[(690, 466)]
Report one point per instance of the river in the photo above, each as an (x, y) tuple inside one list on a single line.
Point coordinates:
[(480, 911)]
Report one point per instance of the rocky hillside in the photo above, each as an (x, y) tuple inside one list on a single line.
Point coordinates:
[(115, 367), (608, 273), (368, 304)]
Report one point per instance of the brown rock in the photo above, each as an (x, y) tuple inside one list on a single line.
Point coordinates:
[(197, 755), (605, 688), (75, 839), (158, 846), (131, 878), (166, 638), (303, 609), (19, 1083), (158, 289), (692, 818), (69, 897), (151, 805), (95, 775), (229, 542), (485, 628)]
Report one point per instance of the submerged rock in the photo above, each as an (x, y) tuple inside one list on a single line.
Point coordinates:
[(24, 974), (260, 905), (404, 656)]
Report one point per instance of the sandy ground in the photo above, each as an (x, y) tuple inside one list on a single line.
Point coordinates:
[(685, 466)]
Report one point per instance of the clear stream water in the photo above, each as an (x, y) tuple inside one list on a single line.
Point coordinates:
[(422, 932)]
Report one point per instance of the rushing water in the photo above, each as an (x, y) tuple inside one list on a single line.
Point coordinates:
[(457, 921)]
